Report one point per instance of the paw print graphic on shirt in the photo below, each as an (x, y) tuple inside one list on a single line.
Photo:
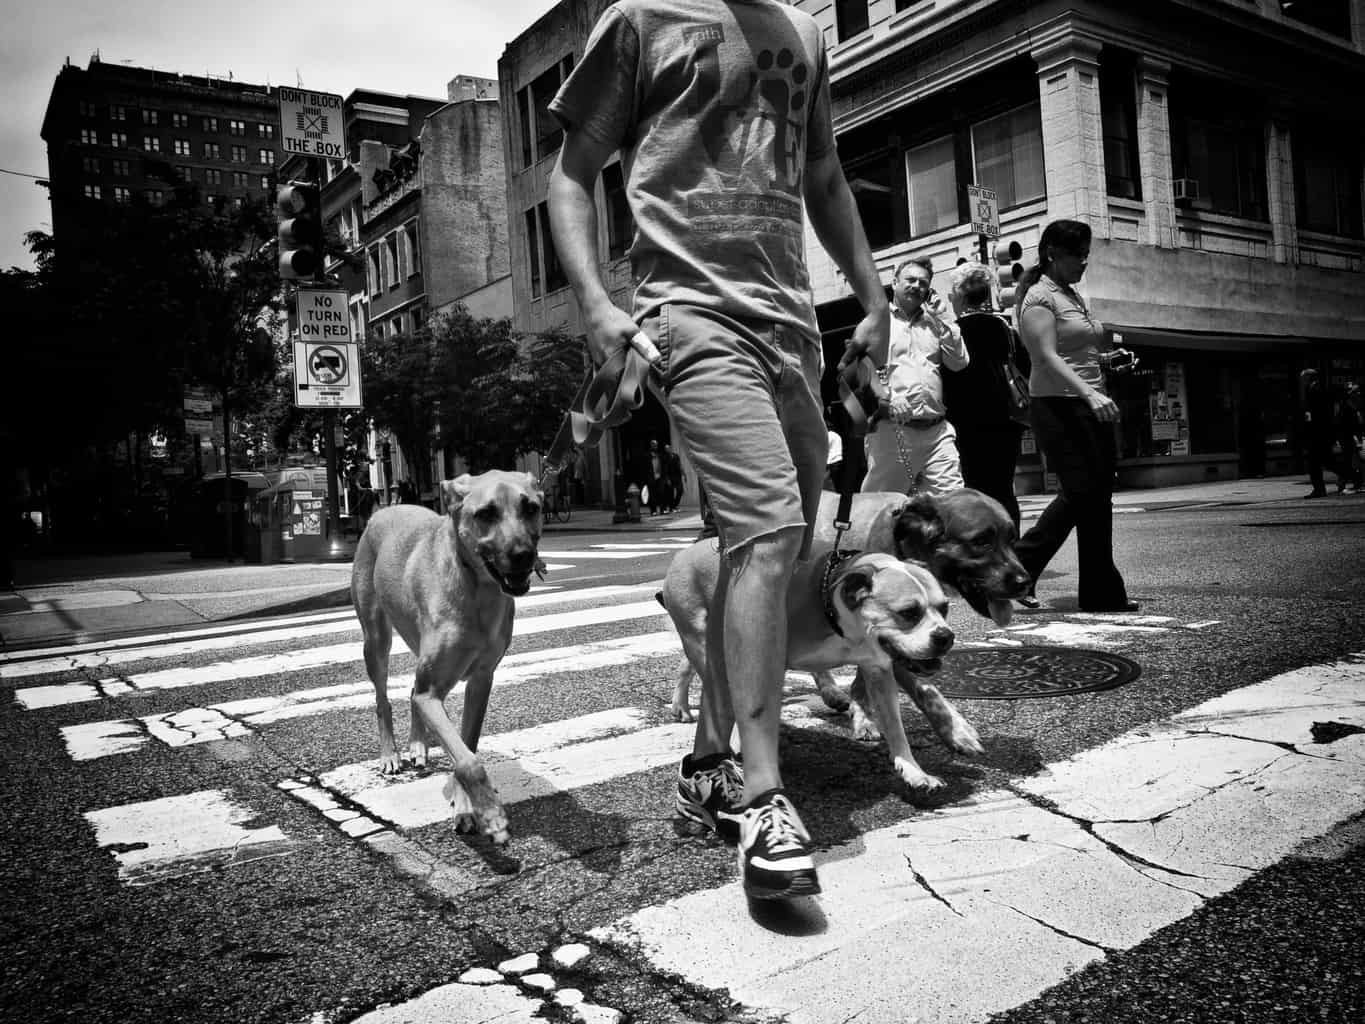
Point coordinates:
[(781, 81)]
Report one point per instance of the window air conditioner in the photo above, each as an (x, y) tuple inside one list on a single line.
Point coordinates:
[(1186, 190)]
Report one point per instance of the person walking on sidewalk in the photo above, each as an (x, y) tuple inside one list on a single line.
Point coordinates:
[(917, 437), (1317, 430), (1348, 430), (1072, 417), (721, 112)]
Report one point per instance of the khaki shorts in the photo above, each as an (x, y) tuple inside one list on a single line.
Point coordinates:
[(745, 397)]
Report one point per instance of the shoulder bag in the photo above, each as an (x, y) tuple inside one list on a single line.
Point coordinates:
[(1016, 387)]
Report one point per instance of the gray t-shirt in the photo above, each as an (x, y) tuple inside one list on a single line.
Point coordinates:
[(716, 107)]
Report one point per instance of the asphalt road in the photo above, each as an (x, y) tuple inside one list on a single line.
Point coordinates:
[(153, 872)]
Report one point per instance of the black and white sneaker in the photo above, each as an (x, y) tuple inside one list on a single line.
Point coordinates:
[(772, 850), (710, 791)]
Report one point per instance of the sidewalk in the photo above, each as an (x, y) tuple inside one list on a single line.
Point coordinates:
[(64, 599)]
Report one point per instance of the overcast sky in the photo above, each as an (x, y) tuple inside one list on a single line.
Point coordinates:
[(409, 47)]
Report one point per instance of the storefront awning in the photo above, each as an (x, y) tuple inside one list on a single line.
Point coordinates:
[(1196, 341)]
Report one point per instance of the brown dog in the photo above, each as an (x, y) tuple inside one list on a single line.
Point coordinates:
[(872, 610), (446, 583)]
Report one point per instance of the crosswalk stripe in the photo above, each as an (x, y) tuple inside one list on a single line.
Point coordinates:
[(231, 719), (128, 650), (257, 666), (1089, 857)]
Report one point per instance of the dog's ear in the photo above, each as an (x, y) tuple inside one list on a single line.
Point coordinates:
[(453, 492), (918, 528), (855, 588)]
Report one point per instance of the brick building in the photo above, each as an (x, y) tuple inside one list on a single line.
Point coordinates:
[(1210, 145), (112, 130)]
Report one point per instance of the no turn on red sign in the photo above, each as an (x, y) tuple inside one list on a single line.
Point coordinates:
[(326, 359)]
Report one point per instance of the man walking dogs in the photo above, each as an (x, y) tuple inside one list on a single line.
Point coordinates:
[(720, 110)]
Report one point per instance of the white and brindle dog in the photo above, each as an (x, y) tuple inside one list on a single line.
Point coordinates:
[(871, 610), (965, 538), (446, 583)]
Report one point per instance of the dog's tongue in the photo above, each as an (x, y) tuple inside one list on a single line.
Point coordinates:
[(1001, 611)]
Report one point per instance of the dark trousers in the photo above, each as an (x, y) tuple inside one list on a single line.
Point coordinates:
[(1080, 450), (988, 456), (1319, 458)]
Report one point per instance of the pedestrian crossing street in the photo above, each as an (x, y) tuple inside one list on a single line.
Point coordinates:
[(974, 886)]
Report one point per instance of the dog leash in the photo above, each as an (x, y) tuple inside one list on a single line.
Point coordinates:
[(605, 399)]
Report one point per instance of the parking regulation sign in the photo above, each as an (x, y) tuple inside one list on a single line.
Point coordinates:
[(326, 359), (310, 123), (985, 210)]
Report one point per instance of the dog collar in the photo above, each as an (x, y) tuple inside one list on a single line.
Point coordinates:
[(836, 558)]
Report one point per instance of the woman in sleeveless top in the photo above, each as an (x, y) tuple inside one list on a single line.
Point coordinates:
[(1072, 417)]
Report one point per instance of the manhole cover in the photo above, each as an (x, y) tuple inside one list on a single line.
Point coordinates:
[(1021, 672)]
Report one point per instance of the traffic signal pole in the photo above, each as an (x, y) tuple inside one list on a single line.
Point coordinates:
[(329, 416)]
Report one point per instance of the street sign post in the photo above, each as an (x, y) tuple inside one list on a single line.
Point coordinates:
[(310, 123), (326, 359)]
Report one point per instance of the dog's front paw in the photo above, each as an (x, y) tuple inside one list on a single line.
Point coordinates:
[(920, 782), (469, 819), (864, 728), (390, 763), (835, 698), (417, 754), (962, 738), (682, 713)]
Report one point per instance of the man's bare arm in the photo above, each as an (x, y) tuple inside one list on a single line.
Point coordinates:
[(834, 216), (573, 222)]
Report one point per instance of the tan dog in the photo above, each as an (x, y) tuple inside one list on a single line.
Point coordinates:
[(875, 611), (446, 583), (966, 538)]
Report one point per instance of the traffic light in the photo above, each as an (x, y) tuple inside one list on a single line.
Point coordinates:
[(1008, 270), (299, 207)]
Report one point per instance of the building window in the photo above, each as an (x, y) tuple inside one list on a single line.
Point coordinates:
[(239, 179), (210, 124), (122, 168), (151, 144), (119, 140), (216, 202), (1218, 150), (1327, 179), (155, 196), (184, 173), (238, 202), (180, 120), (533, 251), (90, 137), (395, 269), (376, 271), (236, 127), (851, 18), (414, 253), (93, 191), (620, 224), (213, 151), (122, 194), (86, 108), (118, 112), (1007, 154), (265, 156), (540, 132), (239, 154), (1332, 16), (878, 181), (182, 147), (554, 271), (266, 131), (90, 164), (932, 171), (149, 117), (213, 177), (265, 182), (1118, 118)]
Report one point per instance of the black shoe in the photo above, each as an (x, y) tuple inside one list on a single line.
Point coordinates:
[(1030, 602), (1315, 494), (773, 858), (710, 792), (1124, 606)]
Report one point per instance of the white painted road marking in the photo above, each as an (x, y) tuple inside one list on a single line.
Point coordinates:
[(261, 665), (186, 643), (1213, 797), (179, 835)]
